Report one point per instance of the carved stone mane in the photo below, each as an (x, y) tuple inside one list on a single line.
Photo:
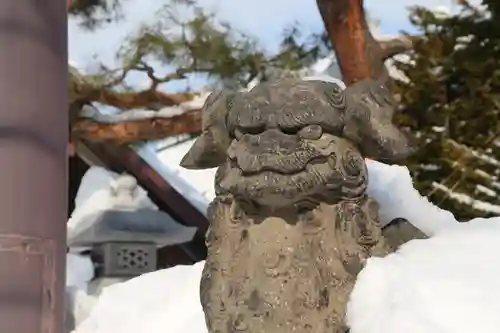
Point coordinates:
[(291, 224)]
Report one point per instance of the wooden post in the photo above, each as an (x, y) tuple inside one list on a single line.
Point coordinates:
[(33, 158)]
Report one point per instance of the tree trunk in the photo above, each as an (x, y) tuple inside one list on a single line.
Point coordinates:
[(359, 55)]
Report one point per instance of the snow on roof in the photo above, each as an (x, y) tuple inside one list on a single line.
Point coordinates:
[(197, 186), (102, 190)]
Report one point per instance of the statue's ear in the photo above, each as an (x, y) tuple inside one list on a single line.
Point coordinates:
[(203, 154), (210, 148), (368, 122)]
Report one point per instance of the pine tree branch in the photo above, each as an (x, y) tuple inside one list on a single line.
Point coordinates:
[(391, 47), (463, 156), (469, 6), (85, 90)]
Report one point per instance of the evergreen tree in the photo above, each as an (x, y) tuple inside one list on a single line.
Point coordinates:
[(452, 102), (189, 41)]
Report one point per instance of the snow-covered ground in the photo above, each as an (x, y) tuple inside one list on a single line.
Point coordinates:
[(449, 283), (102, 190)]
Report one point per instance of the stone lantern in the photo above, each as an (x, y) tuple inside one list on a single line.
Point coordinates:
[(123, 239)]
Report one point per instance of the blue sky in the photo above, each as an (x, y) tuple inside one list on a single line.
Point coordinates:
[(264, 19)]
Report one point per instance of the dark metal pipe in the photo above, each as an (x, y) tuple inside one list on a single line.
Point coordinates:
[(33, 139)]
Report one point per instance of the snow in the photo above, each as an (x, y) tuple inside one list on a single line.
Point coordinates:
[(103, 190), (112, 117), (197, 186), (325, 78), (163, 301), (468, 200), (94, 194), (485, 190), (79, 270), (474, 153), (392, 187), (445, 284), (448, 283)]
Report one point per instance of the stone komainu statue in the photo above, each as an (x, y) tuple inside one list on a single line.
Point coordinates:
[(291, 225)]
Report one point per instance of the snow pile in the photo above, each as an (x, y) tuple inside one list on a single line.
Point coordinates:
[(79, 271), (392, 187), (448, 283), (159, 302), (101, 189)]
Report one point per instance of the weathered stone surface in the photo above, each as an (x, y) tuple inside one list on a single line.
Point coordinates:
[(291, 224)]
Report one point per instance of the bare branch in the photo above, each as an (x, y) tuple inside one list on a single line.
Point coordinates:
[(156, 81), (138, 130), (89, 90), (84, 90)]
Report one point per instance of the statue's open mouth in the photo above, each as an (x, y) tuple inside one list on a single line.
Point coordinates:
[(283, 173), (284, 154)]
